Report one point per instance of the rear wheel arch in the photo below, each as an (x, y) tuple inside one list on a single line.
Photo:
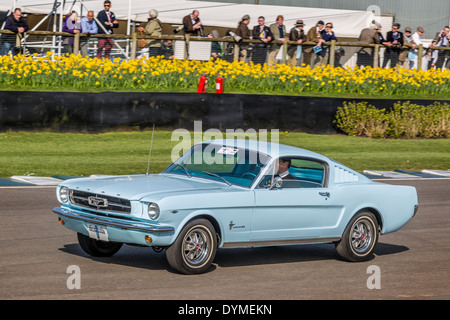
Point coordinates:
[(377, 215)]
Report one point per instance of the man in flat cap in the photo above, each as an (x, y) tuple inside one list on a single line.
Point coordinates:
[(405, 54), (416, 38), (243, 32), (298, 35)]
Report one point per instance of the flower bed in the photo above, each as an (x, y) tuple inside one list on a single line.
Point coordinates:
[(181, 75)]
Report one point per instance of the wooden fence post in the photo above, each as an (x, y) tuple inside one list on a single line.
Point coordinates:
[(419, 57), (133, 46), (332, 54), (376, 55), (76, 43), (18, 43), (236, 52), (284, 53), (187, 37)]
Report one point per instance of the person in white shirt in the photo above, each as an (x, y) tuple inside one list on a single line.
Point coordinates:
[(416, 39)]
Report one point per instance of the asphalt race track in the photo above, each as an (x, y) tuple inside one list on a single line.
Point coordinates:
[(37, 256)]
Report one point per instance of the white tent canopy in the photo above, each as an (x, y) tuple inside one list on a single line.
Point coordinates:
[(347, 23)]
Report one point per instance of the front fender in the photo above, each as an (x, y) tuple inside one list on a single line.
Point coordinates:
[(201, 214)]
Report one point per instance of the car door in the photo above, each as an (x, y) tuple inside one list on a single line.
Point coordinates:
[(296, 210)]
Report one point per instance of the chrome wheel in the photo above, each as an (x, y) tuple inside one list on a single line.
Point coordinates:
[(194, 249), (362, 236), (196, 246)]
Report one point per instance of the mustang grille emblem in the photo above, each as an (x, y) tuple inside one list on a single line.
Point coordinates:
[(98, 202)]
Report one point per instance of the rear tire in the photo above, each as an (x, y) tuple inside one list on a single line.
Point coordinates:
[(98, 248), (194, 249), (360, 238)]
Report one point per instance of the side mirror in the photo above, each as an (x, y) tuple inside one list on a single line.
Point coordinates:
[(277, 183)]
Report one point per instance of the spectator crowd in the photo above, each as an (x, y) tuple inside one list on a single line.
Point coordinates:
[(401, 47)]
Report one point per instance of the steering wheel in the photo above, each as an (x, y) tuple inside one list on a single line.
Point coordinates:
[(253, 175)]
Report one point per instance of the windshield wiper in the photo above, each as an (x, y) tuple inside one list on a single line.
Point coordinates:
[(184, 168), (216, 175)]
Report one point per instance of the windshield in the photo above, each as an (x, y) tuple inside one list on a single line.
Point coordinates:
[(220, 163)]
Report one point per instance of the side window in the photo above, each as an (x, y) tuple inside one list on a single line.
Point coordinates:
[(309, 173), (296, 173)]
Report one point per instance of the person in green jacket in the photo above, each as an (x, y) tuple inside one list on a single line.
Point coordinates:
[(153, 28), (216, 49)]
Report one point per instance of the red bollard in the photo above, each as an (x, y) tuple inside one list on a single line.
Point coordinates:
[(202, 84), (219, 84)]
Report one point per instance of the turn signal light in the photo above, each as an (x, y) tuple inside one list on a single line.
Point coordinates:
[(148, 239), (61, 221)]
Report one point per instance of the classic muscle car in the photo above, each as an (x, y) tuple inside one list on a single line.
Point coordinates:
[(234, 193)]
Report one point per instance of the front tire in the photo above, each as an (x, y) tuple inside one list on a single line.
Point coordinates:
[(98, 248), (194, 249), (360, 238)]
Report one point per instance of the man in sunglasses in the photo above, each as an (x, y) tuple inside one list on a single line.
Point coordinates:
[(108, 21), (394, 43)]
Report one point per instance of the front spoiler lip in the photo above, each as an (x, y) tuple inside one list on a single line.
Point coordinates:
[(122, 225)]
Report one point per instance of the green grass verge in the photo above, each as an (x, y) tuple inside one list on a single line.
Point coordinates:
[(212, 89), (48, 154)]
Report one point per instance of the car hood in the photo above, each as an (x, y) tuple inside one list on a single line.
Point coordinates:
[(135, 187)]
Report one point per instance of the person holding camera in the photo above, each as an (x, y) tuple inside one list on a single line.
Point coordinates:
[(17, 24), (443, 40), (192, 24)]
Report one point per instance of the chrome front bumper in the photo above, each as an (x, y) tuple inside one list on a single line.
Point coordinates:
[(136, 226)]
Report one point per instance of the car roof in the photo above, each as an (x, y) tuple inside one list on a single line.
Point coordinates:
[(275, 150)]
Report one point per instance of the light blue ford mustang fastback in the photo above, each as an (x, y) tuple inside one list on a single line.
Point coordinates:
[(234, 193)]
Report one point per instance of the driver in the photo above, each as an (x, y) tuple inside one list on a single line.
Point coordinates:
[(283, 169)]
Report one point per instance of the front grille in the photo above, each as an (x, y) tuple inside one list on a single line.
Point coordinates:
[(99, 201)]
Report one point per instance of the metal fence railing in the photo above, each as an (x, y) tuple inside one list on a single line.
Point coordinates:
[(201, 48)]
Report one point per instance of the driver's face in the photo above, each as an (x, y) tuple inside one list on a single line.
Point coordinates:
[(282, 165)]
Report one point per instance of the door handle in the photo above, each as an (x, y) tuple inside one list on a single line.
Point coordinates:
[(325, 194)]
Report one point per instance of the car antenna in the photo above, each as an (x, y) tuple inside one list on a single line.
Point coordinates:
[(150, 152)]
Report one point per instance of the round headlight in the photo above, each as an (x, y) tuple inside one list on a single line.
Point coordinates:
[(153, 211), (64, 194)]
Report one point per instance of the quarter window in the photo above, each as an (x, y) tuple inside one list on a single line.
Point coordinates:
[(311, 174)]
